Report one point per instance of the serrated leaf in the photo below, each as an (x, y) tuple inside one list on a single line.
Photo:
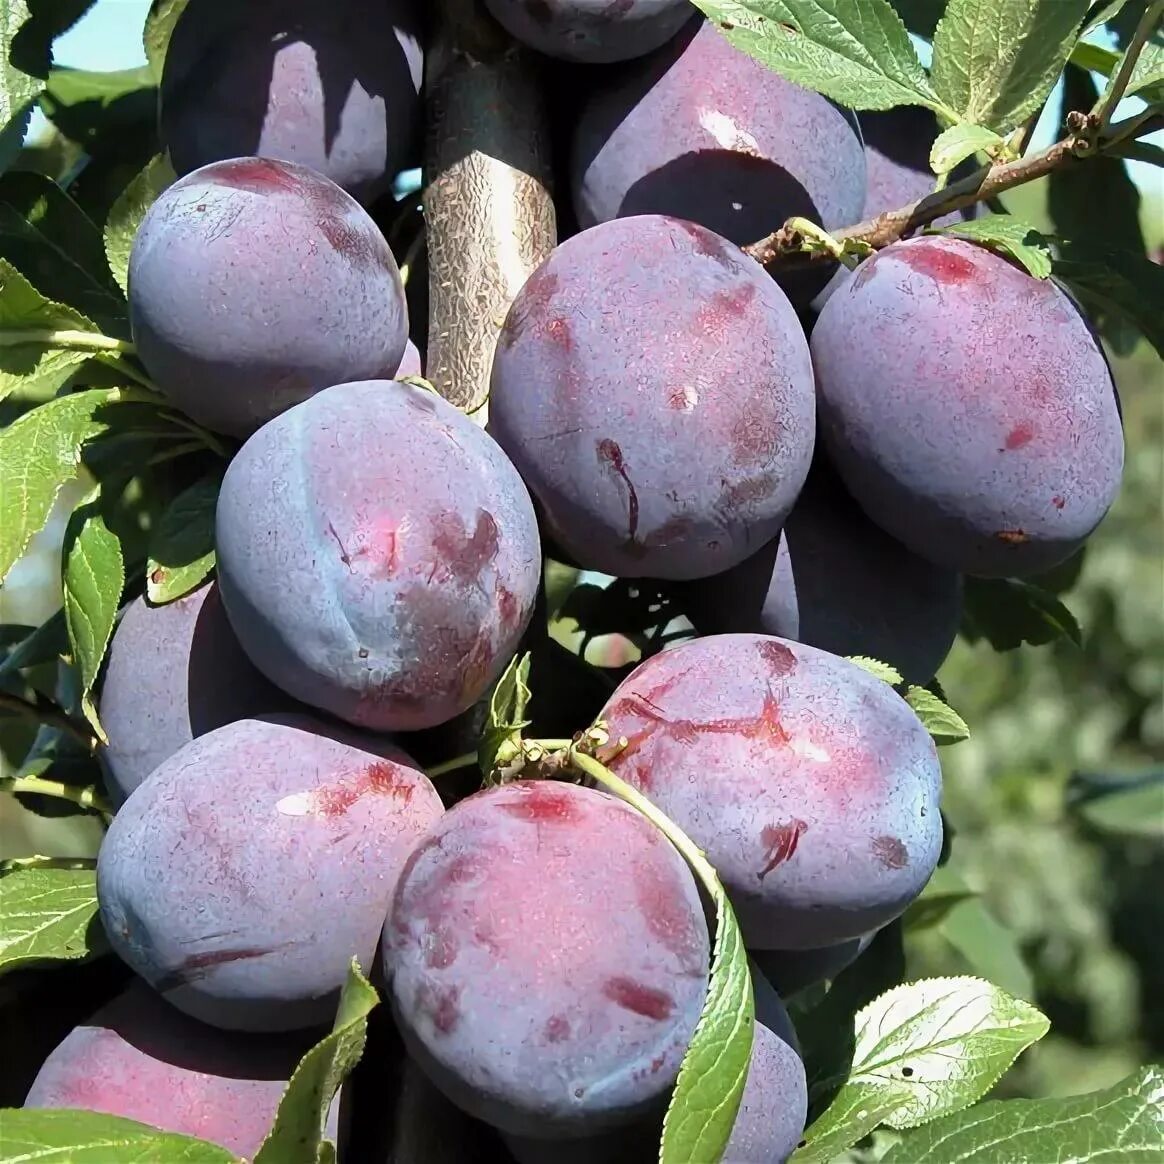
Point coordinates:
[(297, 1133), (50, 240), (1120, 1125), (94, 577), (48, 915), (182, 546), (1148, 75), (1010, 235), (1101, 12), (1008, 612), (960, 142), (924, 1050), (1119, 283), (39, 452), (64, 1136), (102, 111), (878, 669), (507, 708), (18, 90), (30, 358), (943, 723), (858, 54), (707, 1094), (159, 26), (127, 212), (995, 61)]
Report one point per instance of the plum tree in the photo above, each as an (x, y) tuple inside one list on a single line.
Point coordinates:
[(141, 1059), (174, 672), (331, 86), (544, 993), (702, 131), (243, 875), (837, 581), (287, 287), (767, 1128), (671, 458), (592, 31), (392, 584), (986, 436), (811, 785)]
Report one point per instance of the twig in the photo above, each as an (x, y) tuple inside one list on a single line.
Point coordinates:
[(87, 797), (50, 715), (15, 864), (453, 765), (1114, 92)]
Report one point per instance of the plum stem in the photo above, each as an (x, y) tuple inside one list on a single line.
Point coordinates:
[(457, 762), (87, 797), (816, 238), (1117, 86), (14, 864)]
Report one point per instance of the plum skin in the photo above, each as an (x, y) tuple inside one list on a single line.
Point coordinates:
[(673, 460), (293, 80), (702, 131), (378, 555), (811, 785), (141, 1059), (545, 992), (254, 283), (967, 407), (242, 876), (591, 31), (174, 672)]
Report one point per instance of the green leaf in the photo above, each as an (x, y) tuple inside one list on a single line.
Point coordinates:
[(182, 546), (128, 211), (878, 669), (1008, 612), (995, 61), (507, 716), (1100, 13), (1094, 58), (159, 26), (1148, 75), (48, 915), (1120, 1125), (31, 359), (94, 577), (64, 1136), (923, 1050), (1009, 235), (940, 719), (46, 236), (102, 111), (1122, 806), (297, 1133), (920, 16), (989, 948), (857, 54), (944, 891), (39, 452), (1116, 283), (707, 1094), (959, 142), (18, 89)]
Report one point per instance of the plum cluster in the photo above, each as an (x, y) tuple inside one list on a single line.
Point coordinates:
[(809, 469)]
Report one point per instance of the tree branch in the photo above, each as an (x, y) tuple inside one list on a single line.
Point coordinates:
[(50, 715)]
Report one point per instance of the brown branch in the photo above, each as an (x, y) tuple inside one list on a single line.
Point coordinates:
[(50, 715), (785, 245)]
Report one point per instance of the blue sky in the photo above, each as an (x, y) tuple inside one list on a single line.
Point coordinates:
[(109, 37)]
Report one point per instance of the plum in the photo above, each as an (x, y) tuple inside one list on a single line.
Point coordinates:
[(811, 785), (548, 956), (378, 555)]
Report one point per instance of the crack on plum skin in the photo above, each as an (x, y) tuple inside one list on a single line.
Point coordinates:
[(780, 843), (198, 966), (345, 557), (610, 457)]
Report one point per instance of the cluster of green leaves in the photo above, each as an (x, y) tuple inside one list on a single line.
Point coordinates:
[(74, 402)]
